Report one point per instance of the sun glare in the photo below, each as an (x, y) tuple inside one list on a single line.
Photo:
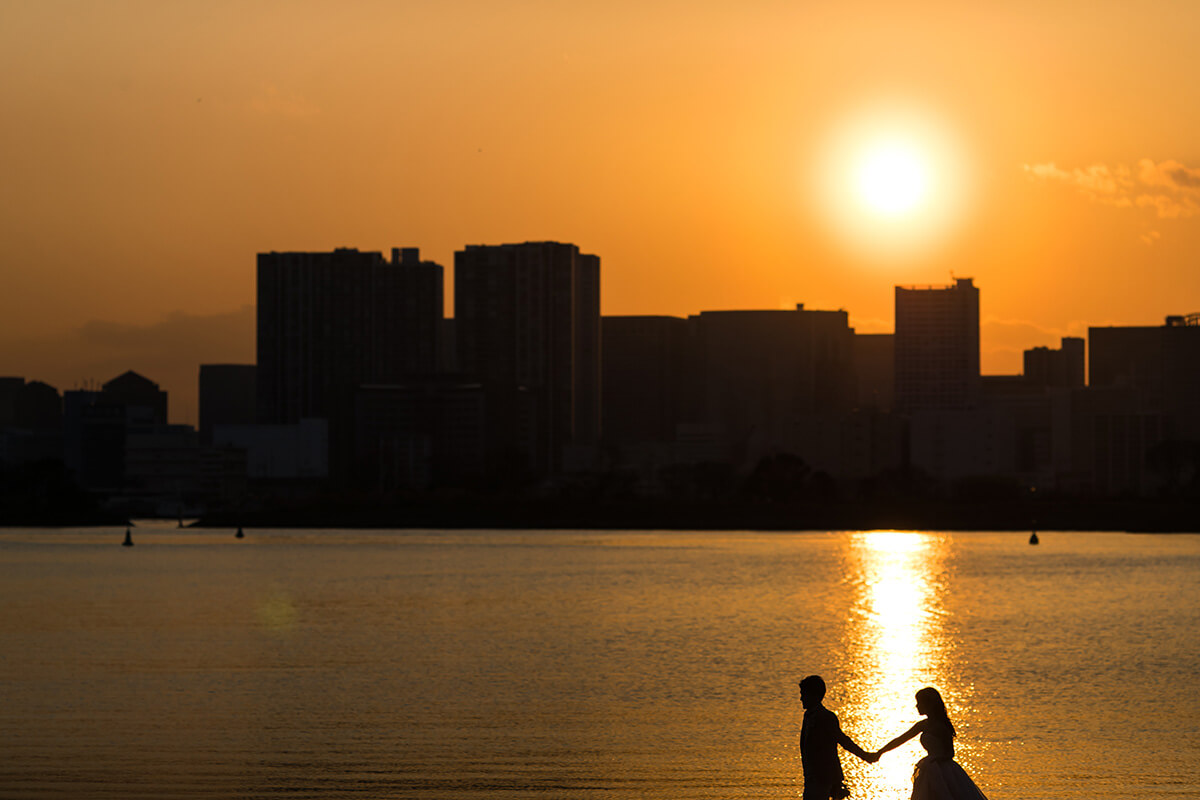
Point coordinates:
[(891, 183), (892, 180)]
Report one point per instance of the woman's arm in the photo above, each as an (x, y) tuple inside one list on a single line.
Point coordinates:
[(902, 738)]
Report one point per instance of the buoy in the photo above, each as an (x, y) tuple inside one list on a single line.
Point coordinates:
[(1033, 538), (128, 539), (239, 534)]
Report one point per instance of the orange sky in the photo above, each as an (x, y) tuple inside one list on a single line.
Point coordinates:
[(149, 150)]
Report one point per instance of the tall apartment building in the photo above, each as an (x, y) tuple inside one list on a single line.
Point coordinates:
[(1160, 363), (528, 315), (774, 380), (937, 346), (331, 322)]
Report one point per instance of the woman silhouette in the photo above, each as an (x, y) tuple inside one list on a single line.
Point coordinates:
[(937, 776)]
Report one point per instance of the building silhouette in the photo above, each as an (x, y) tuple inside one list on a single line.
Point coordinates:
[(645, 376), (227, 396), (775, 380), (1159, 362), (10, 389), (527, 318), (144, 402), (937, 346), (1061, 368), (329, 323), (434, 432), (30, 422), (875, 370), (98, 427)]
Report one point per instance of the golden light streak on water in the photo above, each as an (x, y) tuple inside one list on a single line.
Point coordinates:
[(896, 646), (277, 612)]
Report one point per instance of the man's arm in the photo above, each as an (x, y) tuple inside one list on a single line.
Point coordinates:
[(847, 743)]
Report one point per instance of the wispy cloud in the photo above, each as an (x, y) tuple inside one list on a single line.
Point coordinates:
[(1169, 188), (1103, 184)]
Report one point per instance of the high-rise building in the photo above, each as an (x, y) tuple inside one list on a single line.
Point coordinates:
[(774, 380), (937, 346), (331, 322), (1157, 362), (528, 315)]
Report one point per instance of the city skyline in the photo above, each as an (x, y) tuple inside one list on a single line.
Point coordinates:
[(361, 387), (182, 379), (151, 151)]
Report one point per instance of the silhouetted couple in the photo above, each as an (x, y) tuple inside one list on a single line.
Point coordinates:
[(937, 777)]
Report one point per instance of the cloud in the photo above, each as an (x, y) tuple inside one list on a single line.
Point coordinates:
[(1170, 174), (1169, 188), (1098, 180)]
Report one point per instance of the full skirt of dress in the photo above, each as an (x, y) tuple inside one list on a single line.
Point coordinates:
[(943, 779)]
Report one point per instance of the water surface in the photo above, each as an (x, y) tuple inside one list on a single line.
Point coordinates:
[(340, 664)]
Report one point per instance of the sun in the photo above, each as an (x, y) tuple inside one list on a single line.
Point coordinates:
[(892, 179)]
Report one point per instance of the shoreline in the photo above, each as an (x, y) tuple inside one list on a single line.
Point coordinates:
[(476, 513), (502, 514)]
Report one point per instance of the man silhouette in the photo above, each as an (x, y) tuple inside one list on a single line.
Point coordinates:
[(819, 739)]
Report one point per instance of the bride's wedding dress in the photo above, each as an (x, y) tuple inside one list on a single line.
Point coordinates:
[(938, 776)]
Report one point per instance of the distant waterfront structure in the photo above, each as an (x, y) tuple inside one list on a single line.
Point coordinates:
[(527, 316), (30, 422), (39, 407), (140, 395), (331, 322), (227, 396), (98, 426), (10, 389), (937, 346)]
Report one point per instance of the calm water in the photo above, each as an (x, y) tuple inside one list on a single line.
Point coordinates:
[(585, 664)]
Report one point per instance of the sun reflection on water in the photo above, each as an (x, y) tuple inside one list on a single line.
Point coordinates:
[(896, 645)]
